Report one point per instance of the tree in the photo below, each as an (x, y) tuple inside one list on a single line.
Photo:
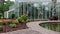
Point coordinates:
[(54, 15), (4, 6), (54, 7)]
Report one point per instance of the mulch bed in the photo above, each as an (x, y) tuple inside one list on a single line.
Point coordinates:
[(8, 29)]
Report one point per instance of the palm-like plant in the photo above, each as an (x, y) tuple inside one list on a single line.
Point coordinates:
[(54, 7), (54, 16)]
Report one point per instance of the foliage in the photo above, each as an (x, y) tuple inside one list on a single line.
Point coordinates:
[(5, 23), (1, 27), (0, 16), (12, 15), (12, 25), (54, 18), (22, 18), (5, 6)]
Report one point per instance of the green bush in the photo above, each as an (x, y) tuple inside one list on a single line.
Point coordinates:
[(22, 19), (5, 23), (1, 27), (12, 16), (12, 25), (0, 16)]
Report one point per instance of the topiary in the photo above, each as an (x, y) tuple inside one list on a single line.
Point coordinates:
[(1, 28), (12, 25)]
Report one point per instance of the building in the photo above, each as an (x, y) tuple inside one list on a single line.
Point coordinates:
[(34, 9)]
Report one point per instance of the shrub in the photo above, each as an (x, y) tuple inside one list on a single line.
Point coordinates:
[(51, 18), (22, 19), (12, 25), (5, 23), (12, 15), (54, 18), (1, 27), (0, 16)]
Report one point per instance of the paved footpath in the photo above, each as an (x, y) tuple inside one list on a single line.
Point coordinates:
[(24, 31), (34, 28)]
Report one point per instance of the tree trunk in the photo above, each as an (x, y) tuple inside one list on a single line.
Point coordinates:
[(54, 7), (3, 8)]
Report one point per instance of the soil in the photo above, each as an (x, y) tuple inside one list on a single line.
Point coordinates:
[(6, 27)]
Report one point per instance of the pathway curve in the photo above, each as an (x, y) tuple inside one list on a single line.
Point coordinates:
[(24, 31), (35, 26)]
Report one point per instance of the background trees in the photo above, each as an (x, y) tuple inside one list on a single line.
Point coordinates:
[(4, 6), (54, 7)]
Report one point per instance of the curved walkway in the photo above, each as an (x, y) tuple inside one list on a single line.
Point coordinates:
[(24, 31), (35, 26)]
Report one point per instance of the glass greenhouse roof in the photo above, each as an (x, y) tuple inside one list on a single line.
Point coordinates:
[(44, 2), (38, 0)]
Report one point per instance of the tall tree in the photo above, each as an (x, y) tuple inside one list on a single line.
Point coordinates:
[(54, 7), (1, 5), (4, 6)]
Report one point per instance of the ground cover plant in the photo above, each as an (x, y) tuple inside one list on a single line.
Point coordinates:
[(7, 25)]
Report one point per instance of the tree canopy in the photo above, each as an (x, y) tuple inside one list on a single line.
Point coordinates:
[(4, 6)]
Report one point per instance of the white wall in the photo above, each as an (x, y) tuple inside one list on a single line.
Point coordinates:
[(5, 15)]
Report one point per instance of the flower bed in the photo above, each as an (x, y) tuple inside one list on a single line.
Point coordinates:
[(10, 25), (7, 25)]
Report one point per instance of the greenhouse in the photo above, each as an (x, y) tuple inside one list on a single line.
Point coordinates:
[(30, 17), (34, 9)]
